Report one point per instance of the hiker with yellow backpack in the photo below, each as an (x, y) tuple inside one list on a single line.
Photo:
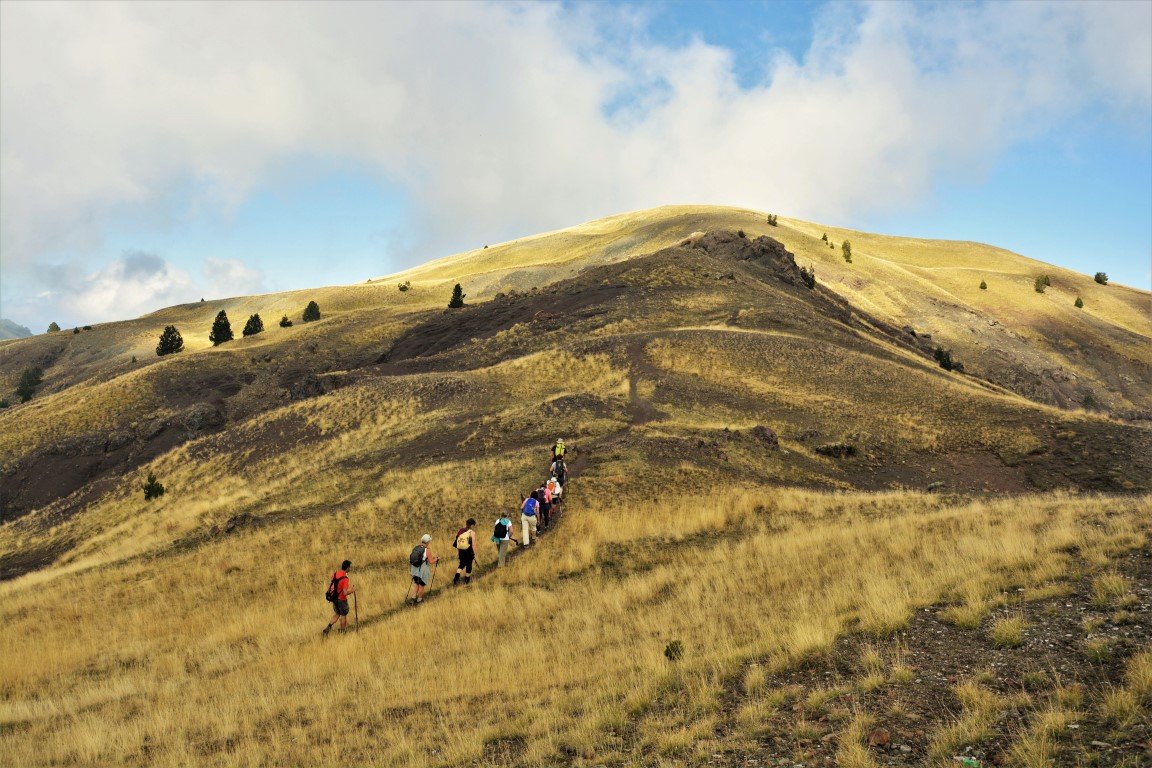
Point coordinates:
[(466, 552)]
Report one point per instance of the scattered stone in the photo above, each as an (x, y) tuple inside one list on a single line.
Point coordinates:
[(879, 738)]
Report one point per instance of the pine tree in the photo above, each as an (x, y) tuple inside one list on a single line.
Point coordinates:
[(824, 237), (285, 322), (152, 488), (1079, 303), (846, 247), (983, 285), (1040, 285), (1101, 277), (29, 380), (221, 329), (170, 342), (944, 358), (52, 327), (457, 299), (808, 276), (311, 312), (254, 326), (772, 220)]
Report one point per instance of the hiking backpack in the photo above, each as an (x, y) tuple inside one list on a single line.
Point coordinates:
[(333, 593), (416, 559), (460, 538), (500, 531)]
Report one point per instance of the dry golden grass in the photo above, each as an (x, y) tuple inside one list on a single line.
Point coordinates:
[(212, 656)]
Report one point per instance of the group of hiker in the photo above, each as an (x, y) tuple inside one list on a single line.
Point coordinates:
[(536, 516)]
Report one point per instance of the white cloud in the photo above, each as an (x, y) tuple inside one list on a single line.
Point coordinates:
[(492, 117)]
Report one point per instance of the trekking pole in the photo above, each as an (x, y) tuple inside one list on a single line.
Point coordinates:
[(356, 610), (432, 580)]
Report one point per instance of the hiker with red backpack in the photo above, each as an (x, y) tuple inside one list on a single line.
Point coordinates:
[(338, 590), (466, 552)]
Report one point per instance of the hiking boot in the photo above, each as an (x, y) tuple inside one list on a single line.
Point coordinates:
[(327, 629)]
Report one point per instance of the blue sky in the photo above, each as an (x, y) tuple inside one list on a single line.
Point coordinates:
[(155, 154)]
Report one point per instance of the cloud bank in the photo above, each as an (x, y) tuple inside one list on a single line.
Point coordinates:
[(507, 119)]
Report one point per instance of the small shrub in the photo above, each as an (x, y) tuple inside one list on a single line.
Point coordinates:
[(53, 327), (983, 285), (1101, 277), (1040, 285), (1138, 676), (824, 237), (87, 327), (311, 312), (75, 330), (1007, 632), (285, 322), (1098, 649), (967, 616), (457, 299), (740, 233), (152, 488), (407, 285), (808, 276), (846, 248), (4, 404), (944, 358), (134, 357), (29, 380), (170, 342), (254, 325), (221, 329), (674, 651), (1079, 303), (1108, 587), (1120, 707)]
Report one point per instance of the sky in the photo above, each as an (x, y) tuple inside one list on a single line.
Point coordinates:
[(155, 153)]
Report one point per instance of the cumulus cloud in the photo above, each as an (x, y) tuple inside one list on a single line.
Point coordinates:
[(507, 119)]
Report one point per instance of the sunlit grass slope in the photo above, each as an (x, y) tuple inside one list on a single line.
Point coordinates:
[(706, 400), (211, 656)]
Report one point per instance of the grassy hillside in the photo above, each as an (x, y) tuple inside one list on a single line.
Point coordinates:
[(843, 536)]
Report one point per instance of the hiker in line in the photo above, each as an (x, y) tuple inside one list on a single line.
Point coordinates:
[(560, 471), (501, 535), (421, 561), (544, 496), (528, 512), (466, 552), (555, 490), (558, 449), (338, 590)]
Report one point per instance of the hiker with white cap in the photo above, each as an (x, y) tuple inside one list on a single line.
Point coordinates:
[(420, 565), (558, 449)]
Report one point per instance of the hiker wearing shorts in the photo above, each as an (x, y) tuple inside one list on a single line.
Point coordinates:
[(501, 535), (466, 552), (338, 590), (421, 571), (528, 512)]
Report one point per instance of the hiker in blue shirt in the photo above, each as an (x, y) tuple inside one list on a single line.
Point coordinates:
[(528, 513)]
